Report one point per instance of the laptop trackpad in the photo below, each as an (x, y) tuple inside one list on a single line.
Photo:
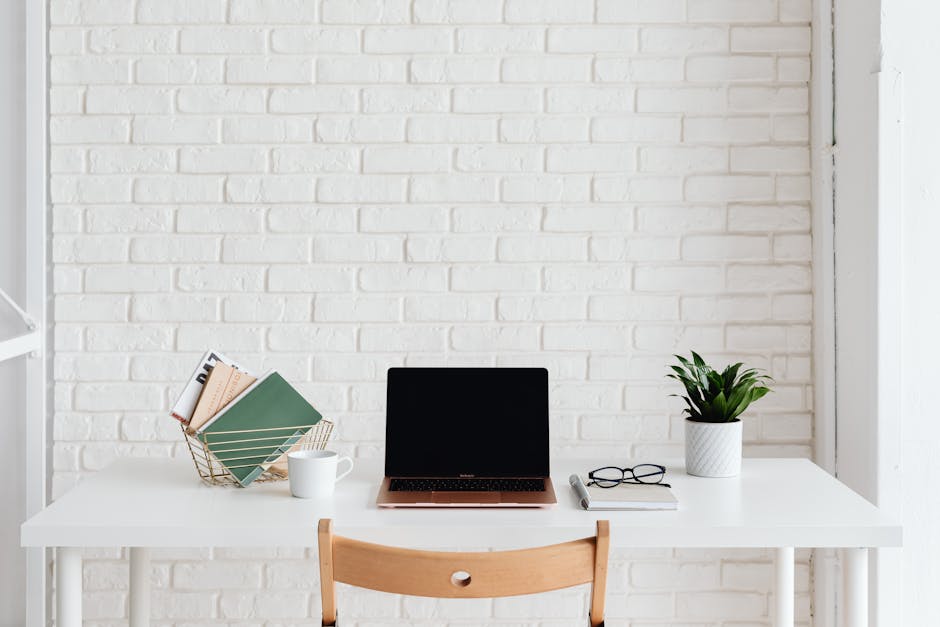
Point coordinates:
[(465, 497)]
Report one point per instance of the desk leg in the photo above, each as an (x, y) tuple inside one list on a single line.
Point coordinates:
[(855, 587), (140, 587), (783, 595), (68, 587)]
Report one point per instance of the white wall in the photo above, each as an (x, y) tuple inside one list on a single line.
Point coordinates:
[(334, 187), (912, 47), (12, 279)]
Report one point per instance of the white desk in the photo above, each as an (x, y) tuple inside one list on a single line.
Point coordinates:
[(137, 503)]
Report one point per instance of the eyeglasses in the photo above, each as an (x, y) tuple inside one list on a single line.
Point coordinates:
[(612, 476)]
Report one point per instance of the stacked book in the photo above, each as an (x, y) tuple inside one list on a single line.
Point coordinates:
[(248, 423)]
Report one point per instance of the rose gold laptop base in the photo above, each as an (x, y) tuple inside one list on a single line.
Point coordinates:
[(400, 498)]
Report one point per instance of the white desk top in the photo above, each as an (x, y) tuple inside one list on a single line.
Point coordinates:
[(162, 503)]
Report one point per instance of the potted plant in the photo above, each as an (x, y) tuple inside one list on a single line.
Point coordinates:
[(715, 400)]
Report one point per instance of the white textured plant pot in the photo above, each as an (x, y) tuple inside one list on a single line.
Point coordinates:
[(713, 449)]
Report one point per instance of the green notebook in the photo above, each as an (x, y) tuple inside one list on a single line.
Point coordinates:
[(258, 426)]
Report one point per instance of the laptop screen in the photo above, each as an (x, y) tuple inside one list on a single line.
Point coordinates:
[(483, 422)]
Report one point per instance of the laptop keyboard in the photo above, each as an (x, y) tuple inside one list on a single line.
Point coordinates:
[(467, 485)]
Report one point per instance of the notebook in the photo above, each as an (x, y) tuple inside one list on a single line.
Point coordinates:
[(186, 403), (222, 386), (258, 426), (624, 496)]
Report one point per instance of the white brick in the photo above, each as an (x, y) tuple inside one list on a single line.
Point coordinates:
[(448, 248), (273, 11), (315, 40), (688, 100), (454, 70), (136, 100), (221, 100), (489, 278), (640, 11), (300, 279), (729, 247), (796, 70), (315, 219), (589, 158), (176, 308), (635, 128), (486, 338), (633, 248), (574, 278), (401, 338), (175, 130), (397, 219), (407, 40), (358, 248), (327, 308), (91, 189), (548, 308), (88, 130), (266, 129), (490, 158), (313, 100), (734, 130), (314, 159), (641, 70), (540, 11), (267, 70), (500, 40), (682, 159), (190, 189), (680, 39), (129, 39), (361, 70), (451, 130), (776, 39), (588, 219), (266, 250), (592, 39), (89, 71), (791, 128), (210, 220), (276, 189), (222, 40), (438, 308), (556, 248), (730, 69), (547, 129), (686, 278), (220, 278), (725, 11), (721, 308), (265, 308), (91, 308), (452, 188), (181, 11), (222, 159), (496, 99), (796, 11), (99, 249), (403, 278), (770, 158), (767, 278), (120, 219), (127, 278), (496, 219), (546, 69), (458, 11), (616, 307), (90, 12), (637, 188), (769, 218), (410, 99), (589, 100), (365, 11), (545, 189), (728, 188), (311, 338)]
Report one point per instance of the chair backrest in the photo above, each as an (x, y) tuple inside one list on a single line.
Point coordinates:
[(463, 575)]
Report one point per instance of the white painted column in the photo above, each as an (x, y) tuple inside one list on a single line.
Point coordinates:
[(855, 587), (140, 587), (783, 593), (68, 584)]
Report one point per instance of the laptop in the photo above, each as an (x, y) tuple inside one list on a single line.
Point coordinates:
[(466, 437)]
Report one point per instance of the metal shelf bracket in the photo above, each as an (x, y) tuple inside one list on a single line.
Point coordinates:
[(26, 343)]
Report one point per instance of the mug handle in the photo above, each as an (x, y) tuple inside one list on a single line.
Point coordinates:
[(349, 470)]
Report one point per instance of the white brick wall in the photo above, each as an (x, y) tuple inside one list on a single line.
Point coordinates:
[(334, 187)]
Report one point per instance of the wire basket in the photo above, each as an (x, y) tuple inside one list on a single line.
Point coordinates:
[(214, 472)]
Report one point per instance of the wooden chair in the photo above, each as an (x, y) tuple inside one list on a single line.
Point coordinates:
[(463, 575)]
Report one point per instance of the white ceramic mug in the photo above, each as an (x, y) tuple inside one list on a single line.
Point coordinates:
[(313, 473)]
